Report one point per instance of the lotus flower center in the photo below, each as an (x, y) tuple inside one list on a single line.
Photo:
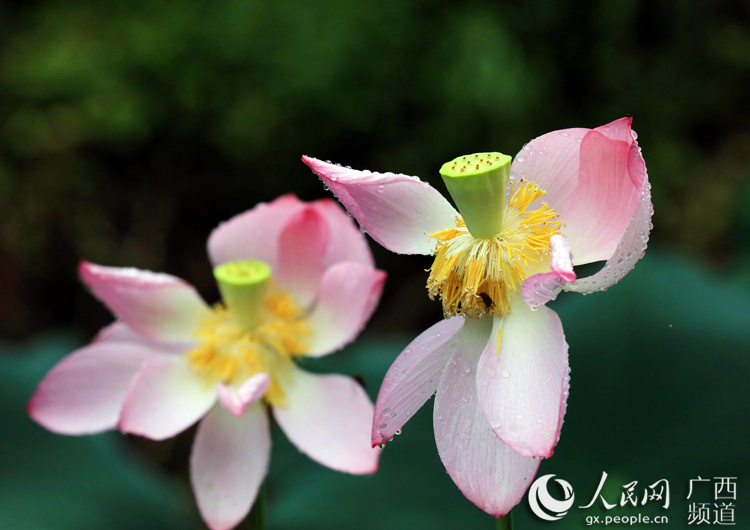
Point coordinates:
[(228, 353), (475, 277)]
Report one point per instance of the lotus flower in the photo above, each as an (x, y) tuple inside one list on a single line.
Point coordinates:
[(498, 363), (170, 360)]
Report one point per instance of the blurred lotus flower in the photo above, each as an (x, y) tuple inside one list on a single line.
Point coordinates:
[(170, 360), (499, 361)]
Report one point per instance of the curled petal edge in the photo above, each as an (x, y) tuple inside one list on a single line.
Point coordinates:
[(541, 288), (398, 211), (632, 247)]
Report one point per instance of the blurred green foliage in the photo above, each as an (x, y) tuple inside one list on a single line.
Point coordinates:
[(129, 129)]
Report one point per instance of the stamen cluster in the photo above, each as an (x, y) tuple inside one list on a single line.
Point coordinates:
[(474, 277), (227, 353)]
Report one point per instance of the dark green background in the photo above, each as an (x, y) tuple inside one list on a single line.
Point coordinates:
[(128, 131)]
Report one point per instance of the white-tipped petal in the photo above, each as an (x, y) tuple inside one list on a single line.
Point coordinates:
[(328, 418), (413, 378), (236, 400), (84, 393), (165, 398), (347, 295), (155, 305), (398, 211), (488, 472), (229, 461), (541, 288), (523, 381)]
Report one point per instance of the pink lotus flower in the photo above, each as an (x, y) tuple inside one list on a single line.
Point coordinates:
[(498, 363), (170, 360)]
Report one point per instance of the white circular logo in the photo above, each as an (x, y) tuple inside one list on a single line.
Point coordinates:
[(544, 505)]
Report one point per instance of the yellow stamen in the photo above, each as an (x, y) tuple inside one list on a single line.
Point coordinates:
[(474, 277), (228, 353)]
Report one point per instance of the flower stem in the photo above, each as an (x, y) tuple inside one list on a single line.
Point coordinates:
[(505, 522)]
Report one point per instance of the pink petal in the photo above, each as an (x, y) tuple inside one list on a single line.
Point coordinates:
[(120, 332), (253, 234), (346, 243), (302, 248), (328, 417), (561, 261), (488, 472), (229, 461), (593, 178), (83, 393), (541, 288), (347, 296), (631, 248), (236, 400), (165, 398), (155, 305), (523, 390), (604, 200), (552, 161), (413, 378), (398, 211), (618, 130)]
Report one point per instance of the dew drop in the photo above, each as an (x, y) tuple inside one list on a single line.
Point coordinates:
[(505, 373)]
